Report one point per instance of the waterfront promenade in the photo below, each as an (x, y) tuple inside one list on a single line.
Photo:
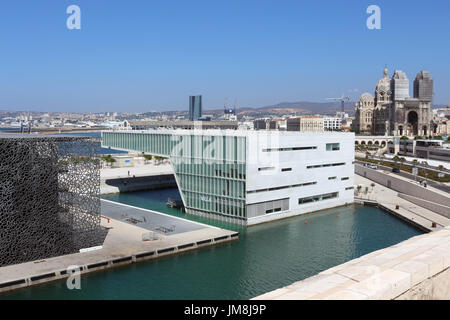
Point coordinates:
[(139, 170), (125, 243), (388, 199)]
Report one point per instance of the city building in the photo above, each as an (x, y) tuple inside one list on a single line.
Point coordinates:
[(346, 124), (426, 149), (363, 114), (277, 124), (246, 125), (144, 125), (332, 123), (305, 124), (261, 124), (229, 114), (49, 204), (195, 108), (443, 126), (250, 177), (392, 112), (441, 120)]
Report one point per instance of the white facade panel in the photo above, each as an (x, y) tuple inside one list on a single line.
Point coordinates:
[(285, 170)]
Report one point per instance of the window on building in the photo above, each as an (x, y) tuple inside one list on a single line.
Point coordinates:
[(289, 149), (321, 197), (344, 178), (332, 178), (333, 147), (282, 187), (286, 169), (266, 169), (326, 165)]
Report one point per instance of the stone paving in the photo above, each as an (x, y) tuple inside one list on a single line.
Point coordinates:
[(148, 219), (139, 170)]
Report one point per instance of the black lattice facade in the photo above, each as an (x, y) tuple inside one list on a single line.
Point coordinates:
[(49, 196)]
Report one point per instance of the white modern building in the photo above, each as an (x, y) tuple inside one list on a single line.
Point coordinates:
[(332, 123), (251, 177)]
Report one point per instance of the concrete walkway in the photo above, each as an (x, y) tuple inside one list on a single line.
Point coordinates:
[(148, 219), (137, 170)]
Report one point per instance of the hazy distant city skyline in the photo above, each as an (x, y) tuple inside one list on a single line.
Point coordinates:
[(151, 56)]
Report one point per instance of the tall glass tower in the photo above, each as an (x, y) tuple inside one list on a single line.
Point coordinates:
[(195, 108)]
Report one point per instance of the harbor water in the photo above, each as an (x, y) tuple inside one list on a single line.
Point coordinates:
[(265, 257)]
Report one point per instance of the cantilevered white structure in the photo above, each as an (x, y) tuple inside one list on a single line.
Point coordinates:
[(251, 177)]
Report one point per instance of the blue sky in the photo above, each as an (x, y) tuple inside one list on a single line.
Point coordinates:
[(139, 56)]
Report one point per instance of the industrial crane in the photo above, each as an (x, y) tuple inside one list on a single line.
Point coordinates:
[(342, 100)]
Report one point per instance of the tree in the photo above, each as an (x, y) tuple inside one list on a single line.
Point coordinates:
[(372, 185), (108, 159), (404, 138), (396, 158), (358, 188), (158, 159), (147, 157)]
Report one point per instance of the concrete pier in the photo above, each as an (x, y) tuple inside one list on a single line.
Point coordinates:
[(125, 244)]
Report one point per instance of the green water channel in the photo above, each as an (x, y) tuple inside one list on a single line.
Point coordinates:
[(266, 257)]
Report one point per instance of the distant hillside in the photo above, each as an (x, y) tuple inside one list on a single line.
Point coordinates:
[(301, 107), (440, 106), (314, 107)]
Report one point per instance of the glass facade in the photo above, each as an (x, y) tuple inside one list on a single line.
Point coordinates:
[(210, 170), (195, 108)]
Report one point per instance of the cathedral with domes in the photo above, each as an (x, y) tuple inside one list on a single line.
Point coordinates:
[(392, 112)]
